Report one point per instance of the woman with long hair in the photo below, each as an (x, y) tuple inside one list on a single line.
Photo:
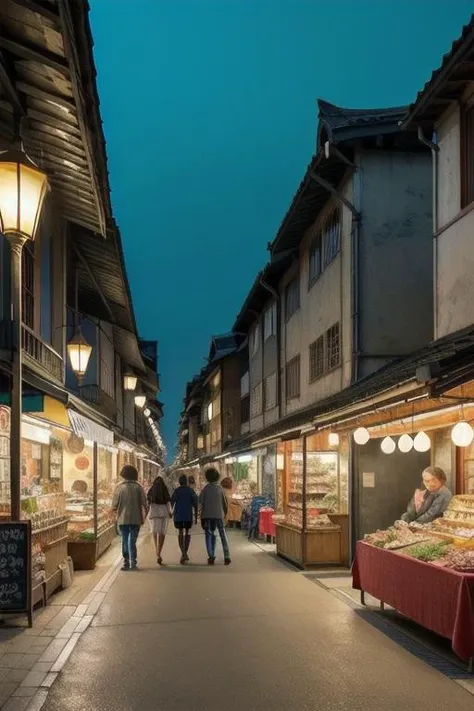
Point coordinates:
[(160, 511)]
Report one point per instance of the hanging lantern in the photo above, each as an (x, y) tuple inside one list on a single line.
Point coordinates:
[(140, 401), (388, 445), (129, 381), (361, 435), (146, 412), (23, 188), (333, 439), (422, 442), (462, 434), (405, 443), (79, 352)]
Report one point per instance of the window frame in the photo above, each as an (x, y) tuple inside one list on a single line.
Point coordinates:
[(254, 340), (313, 278), (296, 362), (332, 227), (295, 282), (271, 311), (274, 402), (467, 150), (330, 365), (256, 388)]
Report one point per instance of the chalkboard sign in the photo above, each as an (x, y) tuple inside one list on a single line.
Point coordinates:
[(15, 568)]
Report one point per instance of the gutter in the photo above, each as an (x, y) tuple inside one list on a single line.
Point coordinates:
[(434, 148)]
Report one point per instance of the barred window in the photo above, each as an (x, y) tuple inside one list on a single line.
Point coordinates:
[(293, 378), (256, 404), (332, 237), (315, 258), (292, 298), (254, 340), (316, 359), (271, 391), (245, 384), (333, 347)]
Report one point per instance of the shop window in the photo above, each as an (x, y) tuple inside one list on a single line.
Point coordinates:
[(467, 155), (28, 284), (333, 347), (270, 322), (254, 340), (332, 237), (293, 378), (245, 409), (316, 359), (315, 259), (245, 385), (292, 298), (256, 401), (271, 391)]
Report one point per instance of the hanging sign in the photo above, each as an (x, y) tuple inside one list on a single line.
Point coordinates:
[(88, 429), (15, 568)]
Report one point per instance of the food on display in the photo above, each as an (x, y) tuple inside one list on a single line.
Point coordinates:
[(427, 551)]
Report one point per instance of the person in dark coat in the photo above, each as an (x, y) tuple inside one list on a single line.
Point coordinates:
[(185, 508)]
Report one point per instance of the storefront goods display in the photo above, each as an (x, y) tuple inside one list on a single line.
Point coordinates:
[(412, 587), (428, 550)]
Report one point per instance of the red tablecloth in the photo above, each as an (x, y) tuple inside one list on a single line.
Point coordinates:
[(266, 526), (439, 599)]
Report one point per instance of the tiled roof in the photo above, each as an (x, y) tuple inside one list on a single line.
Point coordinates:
[(337, 120), (448, 81)]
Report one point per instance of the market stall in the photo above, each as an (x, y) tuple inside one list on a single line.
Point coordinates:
[(312, 522), (401, 565)]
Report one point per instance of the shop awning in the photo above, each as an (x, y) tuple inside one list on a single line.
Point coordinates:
[(88, 429)]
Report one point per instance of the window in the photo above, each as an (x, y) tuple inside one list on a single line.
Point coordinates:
[(270, 322), (256, 401), (293, 378), (316, 359), (245, 409), (333, 347), (315, 258), (254, 340), (467, 156), (292, 298), (28, 284), (332, 237), (245, 384), (271, 391)]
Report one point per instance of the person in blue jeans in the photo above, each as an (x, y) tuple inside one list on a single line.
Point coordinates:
[(185, 511), (213, 512), (131, 507)]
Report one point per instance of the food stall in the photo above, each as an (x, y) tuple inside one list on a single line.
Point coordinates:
[(312, 519), (402, 564)]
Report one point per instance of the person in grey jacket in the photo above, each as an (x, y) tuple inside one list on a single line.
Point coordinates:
[(131, 507), (213, 511), (430, 504)]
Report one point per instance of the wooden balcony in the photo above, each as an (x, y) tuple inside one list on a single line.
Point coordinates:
[(94, 395), (38, 355)]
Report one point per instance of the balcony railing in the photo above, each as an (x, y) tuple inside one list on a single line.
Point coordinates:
[(42, 354), (93, 395)]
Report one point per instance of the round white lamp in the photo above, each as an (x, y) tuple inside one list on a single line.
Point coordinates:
[(333, 439), (405, 443), (422, 442), (462, 434), (361, 435), (388, 445)]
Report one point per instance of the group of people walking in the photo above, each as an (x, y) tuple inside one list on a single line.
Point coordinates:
[(132, 506)]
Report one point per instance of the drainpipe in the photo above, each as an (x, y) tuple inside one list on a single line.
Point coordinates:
[(434, 148), (276, 296)]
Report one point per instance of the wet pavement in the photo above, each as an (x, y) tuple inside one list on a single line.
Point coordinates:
[(255, 635)]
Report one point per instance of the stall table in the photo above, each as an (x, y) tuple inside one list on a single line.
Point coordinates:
[(437, 598)]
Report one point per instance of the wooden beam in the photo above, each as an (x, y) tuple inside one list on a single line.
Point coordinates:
[(52, 121), (56, 139), (44, 57), (94, 281), (54, 99), (10, 89), (51, 18)]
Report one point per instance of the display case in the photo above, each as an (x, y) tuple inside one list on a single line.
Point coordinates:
[(311, 527), (90, 477)]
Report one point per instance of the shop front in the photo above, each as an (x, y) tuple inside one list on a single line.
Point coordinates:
[(252, 478), (312, 523)]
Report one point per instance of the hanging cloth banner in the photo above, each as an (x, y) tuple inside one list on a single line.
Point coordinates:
[(88, 429)]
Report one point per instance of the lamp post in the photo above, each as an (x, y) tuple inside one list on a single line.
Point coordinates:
[(23, 188), (79, 352)]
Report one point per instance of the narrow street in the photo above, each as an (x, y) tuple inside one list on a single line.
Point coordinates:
[(256, 635)]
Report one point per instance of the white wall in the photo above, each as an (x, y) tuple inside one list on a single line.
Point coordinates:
[(449, 167)]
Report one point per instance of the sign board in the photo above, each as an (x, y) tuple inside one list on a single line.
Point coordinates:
[(368, 480), (15, 568)]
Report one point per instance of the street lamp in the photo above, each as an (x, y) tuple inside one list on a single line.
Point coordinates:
[(79, 352), (23, 188), (140, 401), (129, 381)]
